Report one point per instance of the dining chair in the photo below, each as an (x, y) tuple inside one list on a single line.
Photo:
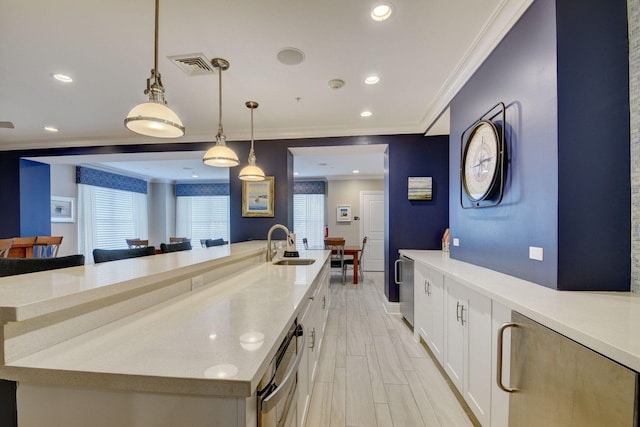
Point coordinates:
[(175, 247), (13, 266), (137, 243), (213, 242), (349, 262), (178, 239), (47, 246), (5, 247), (105, 255), (336, 246)]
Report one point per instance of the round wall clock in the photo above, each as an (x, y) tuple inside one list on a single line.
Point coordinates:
[(481, 161)]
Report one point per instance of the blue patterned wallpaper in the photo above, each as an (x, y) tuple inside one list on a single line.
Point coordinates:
[(100, 178), (309, 187), (210, 189)]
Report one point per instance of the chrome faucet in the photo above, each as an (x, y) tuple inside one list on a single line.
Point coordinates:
[(270, 252)]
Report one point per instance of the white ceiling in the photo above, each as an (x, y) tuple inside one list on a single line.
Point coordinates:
[(423, 54)]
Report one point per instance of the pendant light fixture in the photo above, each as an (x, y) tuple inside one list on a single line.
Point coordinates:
[(251, 172), (220, 155), (154, 118)]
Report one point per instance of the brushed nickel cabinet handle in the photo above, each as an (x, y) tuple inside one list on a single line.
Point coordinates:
[(462, 314), (458, 305), (501, 386)]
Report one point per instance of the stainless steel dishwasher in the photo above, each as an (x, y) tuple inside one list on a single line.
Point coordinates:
[(403, 276), (278, 388)]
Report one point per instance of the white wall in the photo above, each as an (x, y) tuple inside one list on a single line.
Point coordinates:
[(347, 192), (162, 213), (63, 183)]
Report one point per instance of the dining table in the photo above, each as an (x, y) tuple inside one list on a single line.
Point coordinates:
[(355, 252)]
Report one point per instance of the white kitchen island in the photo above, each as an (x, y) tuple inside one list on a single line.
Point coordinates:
[(172, 339)]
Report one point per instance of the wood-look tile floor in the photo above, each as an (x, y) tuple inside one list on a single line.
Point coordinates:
[(371, 371)]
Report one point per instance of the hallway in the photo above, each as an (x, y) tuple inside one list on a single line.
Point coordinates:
[(371, 372)]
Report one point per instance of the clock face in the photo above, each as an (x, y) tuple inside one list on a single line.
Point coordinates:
[(480, 161)]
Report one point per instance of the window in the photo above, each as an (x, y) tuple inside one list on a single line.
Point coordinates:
[(202, 217), (308, 218), (107, 217)]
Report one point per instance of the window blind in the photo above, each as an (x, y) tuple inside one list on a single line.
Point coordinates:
[(308, 218), (203, 217)]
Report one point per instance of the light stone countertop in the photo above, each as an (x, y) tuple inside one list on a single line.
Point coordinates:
[(607, 322), (211, 341)]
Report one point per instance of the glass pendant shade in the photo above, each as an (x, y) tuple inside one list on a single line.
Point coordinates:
[(220, 155), (251, 172), (154, 119)]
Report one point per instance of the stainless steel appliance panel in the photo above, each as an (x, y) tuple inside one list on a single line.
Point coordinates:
[(278, 389), (403, 274), (559, 382)]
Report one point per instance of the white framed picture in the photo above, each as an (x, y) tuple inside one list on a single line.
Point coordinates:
[(343, 213), (63, 209)]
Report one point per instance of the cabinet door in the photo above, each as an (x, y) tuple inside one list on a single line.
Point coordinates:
[(305, 387), (454, 333), (421, 321), (435, 308), (476, 317)]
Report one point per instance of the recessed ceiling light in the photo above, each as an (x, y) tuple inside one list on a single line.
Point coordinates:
[(62, 77), (366, 114), (356, 171), (194, 175), (296, 174), (51, 129), (381, 12), (371, 80), (290, 56)]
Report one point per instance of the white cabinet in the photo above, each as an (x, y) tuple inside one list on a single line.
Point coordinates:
[(314, 319), (468, 349), (429, 308)]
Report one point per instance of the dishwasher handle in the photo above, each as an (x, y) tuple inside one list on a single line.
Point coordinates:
[(396, 270), (269, 402)]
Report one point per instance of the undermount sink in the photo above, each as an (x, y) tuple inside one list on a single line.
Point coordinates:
[(294, 261)]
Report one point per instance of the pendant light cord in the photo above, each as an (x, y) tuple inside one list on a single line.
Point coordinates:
[(155, 54), (220, 101), (252, 130)]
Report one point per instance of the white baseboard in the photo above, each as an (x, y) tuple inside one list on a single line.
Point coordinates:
[(391, 307)]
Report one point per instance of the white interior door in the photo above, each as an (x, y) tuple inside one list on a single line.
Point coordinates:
[(372, 226)]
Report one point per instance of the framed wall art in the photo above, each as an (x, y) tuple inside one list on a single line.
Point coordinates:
[(343, 213), (63, 209), (420, 188), (257, 198)]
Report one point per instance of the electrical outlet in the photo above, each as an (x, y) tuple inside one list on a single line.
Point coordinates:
[(197, 282), (456, 241), (536, 253)]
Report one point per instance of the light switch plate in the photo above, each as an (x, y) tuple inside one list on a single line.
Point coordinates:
[(536, 253), (456, 241)]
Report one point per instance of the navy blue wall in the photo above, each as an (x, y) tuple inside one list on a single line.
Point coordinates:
[(9, 196), (593, 146), (413, 224), (554, 199), (35, 199)]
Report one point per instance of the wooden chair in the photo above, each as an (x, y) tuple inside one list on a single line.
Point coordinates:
[(5, 247), (349, 262), (137, 243), (336, 246), (47, 246), (178, 239)]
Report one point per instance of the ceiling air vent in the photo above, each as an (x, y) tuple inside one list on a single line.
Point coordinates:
[(194, 64)]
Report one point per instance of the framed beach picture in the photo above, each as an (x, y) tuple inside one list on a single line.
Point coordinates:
[(257, 198), (63, 209), (420, 188), (343, 213)]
